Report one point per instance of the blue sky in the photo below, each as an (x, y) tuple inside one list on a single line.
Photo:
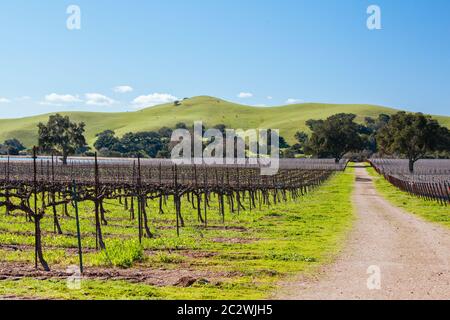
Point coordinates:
[(272, 51)]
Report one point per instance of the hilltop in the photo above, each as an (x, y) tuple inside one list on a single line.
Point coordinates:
[(289, 119)]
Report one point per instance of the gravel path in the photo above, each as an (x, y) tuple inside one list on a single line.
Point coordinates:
[(395, 254)]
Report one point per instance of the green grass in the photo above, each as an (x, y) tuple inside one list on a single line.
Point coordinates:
[(256, 251), (122, 254), (123, 290), (212, 111), (429, 210)]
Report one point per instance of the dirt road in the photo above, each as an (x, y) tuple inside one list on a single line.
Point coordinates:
[(389, 255)]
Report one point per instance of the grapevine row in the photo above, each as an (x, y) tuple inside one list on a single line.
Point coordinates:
[(36, 186), (430, 180)]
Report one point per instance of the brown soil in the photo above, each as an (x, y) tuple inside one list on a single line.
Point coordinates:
[(156, 277)]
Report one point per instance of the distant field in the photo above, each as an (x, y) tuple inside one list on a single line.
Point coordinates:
[(212, 111)]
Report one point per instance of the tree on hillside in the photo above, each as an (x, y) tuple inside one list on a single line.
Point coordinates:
[(181, 125), (165, 132), (146, 144), (371, 129), (297, 148), (221, 127), (302, 137), (106, 140), (283, 146), (13, 147), (413, 136), (334, 137), (282, 141), (313, 124), (61, 136), (166, 136)]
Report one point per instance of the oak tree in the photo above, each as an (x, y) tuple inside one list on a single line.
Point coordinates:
[(62, 136), (413, 136)]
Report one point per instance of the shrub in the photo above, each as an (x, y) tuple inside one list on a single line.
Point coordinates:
[(122, 254), (170, 258)]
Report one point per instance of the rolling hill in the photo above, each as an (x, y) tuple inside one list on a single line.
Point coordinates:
[(289, 119)]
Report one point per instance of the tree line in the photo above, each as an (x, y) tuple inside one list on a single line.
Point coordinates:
[(413, 136), (407, 135)]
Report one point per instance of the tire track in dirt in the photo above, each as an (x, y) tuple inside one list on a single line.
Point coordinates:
[(411, 255)]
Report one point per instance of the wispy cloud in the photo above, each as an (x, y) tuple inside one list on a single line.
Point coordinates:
[(97, 99), (153, 100), (269, 97), (91, 99), (245, 95), (293, 101), (4, 100), (123, 89)]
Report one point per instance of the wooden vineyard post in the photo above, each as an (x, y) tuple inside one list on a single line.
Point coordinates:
[(220, 195), (139, 200), (99, 243), (56, 225), (142, 198), (176, 199), (7, 187), (132, 193), (35, 208), (238, 190), (198, 195), (37, 221), (206, 194), (161, 211), (139, 220), (77, 217)]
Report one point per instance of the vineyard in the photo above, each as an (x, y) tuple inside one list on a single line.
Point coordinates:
[(39, 189), (151, 229), (430, 180)]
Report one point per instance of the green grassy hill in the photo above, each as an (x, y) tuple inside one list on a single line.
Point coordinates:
[(289, 119)]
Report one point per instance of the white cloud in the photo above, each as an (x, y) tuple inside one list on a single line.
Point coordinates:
[(269, 97), (153, 100), (97, 99), (123, 89), (293, 101), (244, 95), (56, 99), (4, 100)]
